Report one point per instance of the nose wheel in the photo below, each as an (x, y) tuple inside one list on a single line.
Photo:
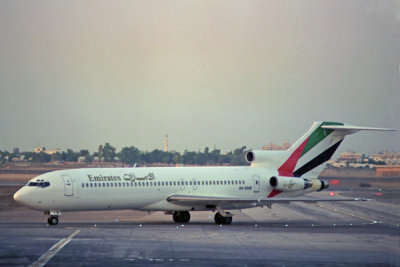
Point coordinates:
[(52, 220)]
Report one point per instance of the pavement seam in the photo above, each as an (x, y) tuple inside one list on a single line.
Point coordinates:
[(53, 250)]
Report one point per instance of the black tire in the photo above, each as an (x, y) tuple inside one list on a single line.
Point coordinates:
[(52, 220), (181, 216), (219, 219)]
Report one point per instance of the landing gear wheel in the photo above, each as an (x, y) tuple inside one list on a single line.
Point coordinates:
[(219, 219), (181, 216), (52, 220)]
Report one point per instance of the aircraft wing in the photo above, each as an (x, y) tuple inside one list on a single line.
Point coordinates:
[(209, 200)]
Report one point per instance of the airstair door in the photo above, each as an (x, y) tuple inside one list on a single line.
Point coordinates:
[(256, 184), (68, 185)]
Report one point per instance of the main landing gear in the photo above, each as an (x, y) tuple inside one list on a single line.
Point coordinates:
[(181, 216), (219, 219), (53, 217), (184, 217)]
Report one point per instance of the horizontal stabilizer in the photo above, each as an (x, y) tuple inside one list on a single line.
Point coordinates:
[(354, 128)]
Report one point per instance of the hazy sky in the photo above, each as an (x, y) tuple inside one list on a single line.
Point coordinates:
[(76, 74)]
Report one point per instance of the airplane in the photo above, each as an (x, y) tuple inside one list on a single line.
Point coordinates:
[(272, 177)]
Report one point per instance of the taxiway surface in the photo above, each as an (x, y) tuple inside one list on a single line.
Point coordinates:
[(299, 234)]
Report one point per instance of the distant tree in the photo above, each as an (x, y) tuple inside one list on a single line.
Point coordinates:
[(84, 152), (56, 156), (64, 156), (129, 155), (89, 159), (28, 155), (189, 157), (100, 152), (41, 157), (71, 155), (238, 156), (156, 156), (108, 152)]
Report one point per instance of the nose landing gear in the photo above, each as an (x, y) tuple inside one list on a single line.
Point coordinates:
[(53, 217), (52, 220)]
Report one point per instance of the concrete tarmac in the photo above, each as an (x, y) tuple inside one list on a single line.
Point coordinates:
[(297, 234)]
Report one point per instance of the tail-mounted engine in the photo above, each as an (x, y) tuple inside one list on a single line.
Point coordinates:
[(283, 184)]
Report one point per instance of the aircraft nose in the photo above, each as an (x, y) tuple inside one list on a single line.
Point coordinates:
[(20, 196)]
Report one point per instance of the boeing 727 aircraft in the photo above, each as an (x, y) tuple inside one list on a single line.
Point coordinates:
[(272, 177)]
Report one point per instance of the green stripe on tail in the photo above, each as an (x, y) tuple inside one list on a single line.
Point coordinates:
[(318, 135)]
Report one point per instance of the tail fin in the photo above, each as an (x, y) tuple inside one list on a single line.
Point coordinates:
[(315, 147)]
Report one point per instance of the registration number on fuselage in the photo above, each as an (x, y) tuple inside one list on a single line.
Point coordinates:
[(245, 187)]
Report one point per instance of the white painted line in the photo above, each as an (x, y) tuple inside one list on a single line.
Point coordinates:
[(347, 213), (53, 250)]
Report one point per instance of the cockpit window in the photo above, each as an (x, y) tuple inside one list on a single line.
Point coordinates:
[(41, 184)]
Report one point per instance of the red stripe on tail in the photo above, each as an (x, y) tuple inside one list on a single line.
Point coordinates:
[(287, 168)]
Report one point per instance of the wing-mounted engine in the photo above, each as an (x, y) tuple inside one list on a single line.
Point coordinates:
[(286, 184)]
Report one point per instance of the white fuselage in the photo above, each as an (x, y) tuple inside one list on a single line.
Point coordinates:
[(143, 188)]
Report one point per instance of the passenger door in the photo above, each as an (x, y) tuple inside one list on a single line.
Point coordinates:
[(68, 185)]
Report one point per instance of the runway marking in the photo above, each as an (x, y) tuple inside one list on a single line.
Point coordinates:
[(347, 213), (53, 250)]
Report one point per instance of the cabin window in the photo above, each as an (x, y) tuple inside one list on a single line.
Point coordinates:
[(151, 183), (229, 182), (178, 183), (99, 184), (213, 182), (135, 184), (83, 185), (174, 183), (186, 182), (87, 185), (95, 184), (147, 183)]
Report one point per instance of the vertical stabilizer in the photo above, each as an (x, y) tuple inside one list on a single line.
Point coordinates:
[(312, 150)]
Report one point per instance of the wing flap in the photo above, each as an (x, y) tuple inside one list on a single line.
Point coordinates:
[(209, 200)]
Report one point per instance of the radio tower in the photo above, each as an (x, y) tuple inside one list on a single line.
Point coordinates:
[(166, 143)]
